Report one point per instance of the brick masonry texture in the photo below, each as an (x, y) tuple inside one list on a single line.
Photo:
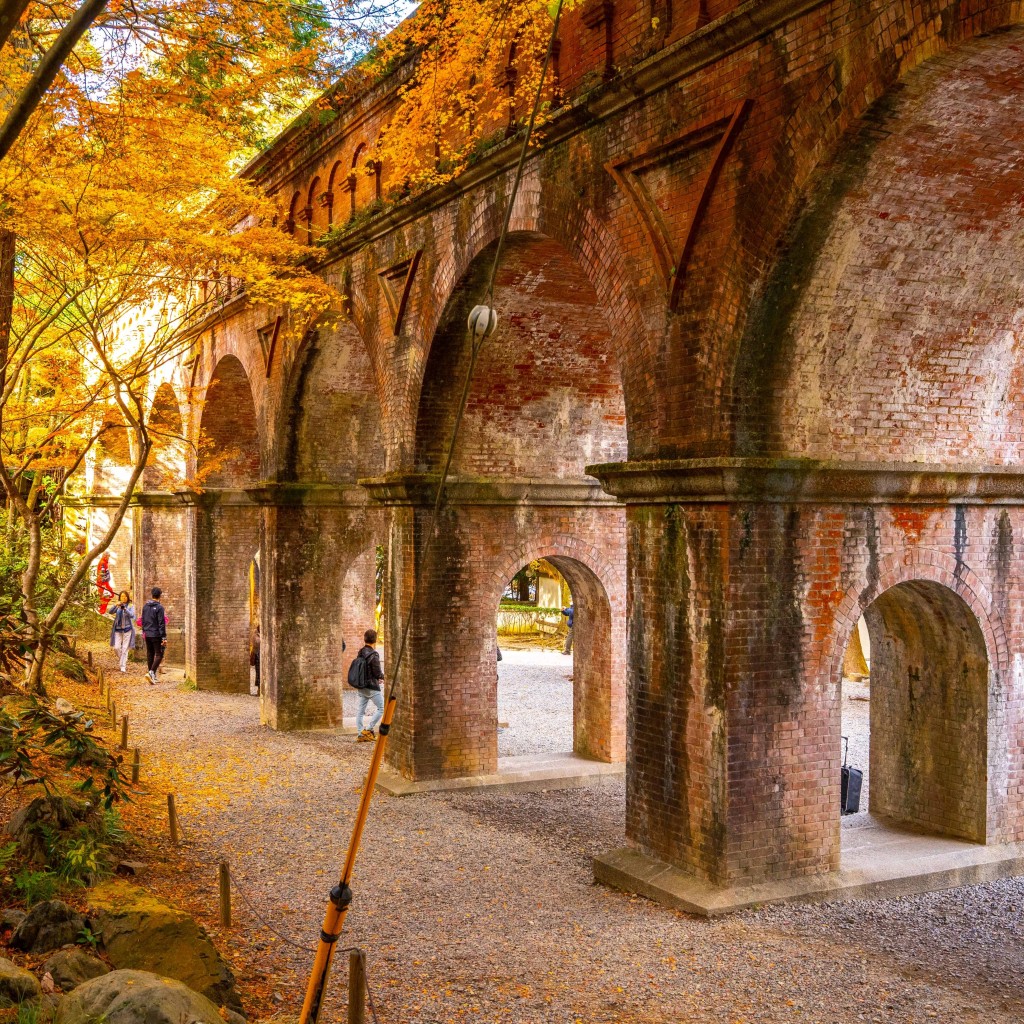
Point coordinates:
[(849, 293)]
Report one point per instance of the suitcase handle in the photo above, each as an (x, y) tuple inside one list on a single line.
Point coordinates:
[(846, 749)]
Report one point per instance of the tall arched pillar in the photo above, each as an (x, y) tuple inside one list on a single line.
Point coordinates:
[(319, 588), (742, 573), (223, 538)]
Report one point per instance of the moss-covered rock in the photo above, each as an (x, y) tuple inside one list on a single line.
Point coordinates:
[(135, 997), (141, 932), (17, 986)]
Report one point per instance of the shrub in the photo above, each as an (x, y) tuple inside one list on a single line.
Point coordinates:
[(35, 886)]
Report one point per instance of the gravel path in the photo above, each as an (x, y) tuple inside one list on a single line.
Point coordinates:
[(480, 907), (535, 700)]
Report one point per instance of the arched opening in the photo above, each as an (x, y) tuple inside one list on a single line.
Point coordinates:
[(547, 397), (927, 724), (557, 690), (225, 534), (546, 400), (890, 330), (166, 468), (314, 227), (228, 452)]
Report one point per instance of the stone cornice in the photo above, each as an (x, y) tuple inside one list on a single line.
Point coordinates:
[(420, 489), (269, 494), (789, 481)]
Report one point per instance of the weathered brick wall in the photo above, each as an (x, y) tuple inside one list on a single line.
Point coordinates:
[(447, 719), (733, 764), (160, 559), (898, 336), (318, 587), (929, 711), (546, 398), (222, 541)]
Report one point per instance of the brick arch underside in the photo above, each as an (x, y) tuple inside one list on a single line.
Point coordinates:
[(930, 685), (942, 673), (894, 327), (229, 444), (167, 467), (599, 685), (330, 418), (547, 397)]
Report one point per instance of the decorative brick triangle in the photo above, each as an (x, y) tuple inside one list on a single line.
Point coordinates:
[(720, 133), (396, 283)]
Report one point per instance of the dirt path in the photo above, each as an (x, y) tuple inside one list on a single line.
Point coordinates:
[(481, 907)]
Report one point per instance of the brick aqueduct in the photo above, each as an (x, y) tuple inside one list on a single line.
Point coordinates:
[(759, 372)]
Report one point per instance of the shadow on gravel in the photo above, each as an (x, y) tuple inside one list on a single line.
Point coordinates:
[(577, 822)]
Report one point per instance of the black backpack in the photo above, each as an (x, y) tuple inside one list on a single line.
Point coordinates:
[(359, 673)]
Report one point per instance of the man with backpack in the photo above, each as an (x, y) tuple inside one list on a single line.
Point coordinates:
[(365, 675), (154, 628)]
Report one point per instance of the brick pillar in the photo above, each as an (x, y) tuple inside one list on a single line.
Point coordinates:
[(223, 536), (159, 561), (318, 587), (447, 717), (446, 723)]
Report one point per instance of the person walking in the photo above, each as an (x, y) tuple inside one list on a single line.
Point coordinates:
[(103, 582), (254, 654), (366, 675), (154, 629), (570, 614), (122, 632)]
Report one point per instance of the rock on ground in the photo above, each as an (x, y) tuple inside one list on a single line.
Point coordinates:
[(70, 968), (48, 925), (136, 997), (17, 986), (142, 933), (55, 813)]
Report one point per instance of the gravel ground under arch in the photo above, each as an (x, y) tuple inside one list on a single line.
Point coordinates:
[(481, 907)]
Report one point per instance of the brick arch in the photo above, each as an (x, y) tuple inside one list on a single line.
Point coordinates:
[(856, 327), (920, 563), (588, 242), (228, 427), (546, 398), (599, 683), (943, 767), (168, 459), (328, 423)]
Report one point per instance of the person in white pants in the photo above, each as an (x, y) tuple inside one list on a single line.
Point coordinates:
[(122, 633)]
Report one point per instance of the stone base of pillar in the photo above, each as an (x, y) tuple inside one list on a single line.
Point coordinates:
[(889, 865)]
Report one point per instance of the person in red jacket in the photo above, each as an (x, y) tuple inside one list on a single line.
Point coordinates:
[(103, 584)]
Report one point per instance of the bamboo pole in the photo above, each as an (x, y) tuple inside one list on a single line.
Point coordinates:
[(113, 714), (135, 766), (124, 733), (172, 818)]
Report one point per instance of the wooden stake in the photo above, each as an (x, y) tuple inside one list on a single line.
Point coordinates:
[(102, 678), (357, 987), (113, 714), (88, 658), (135, 766), (224, 876), (124, 733), (172, 818)]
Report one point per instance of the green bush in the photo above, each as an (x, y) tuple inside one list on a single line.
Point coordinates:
[(35, 886)]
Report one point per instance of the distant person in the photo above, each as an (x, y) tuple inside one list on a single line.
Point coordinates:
[(254, 653), (122, 632), (103, 584), (570, 614), (154, 629), (366, 676)]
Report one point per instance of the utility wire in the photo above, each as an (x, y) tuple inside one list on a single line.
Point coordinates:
[(340, 897)]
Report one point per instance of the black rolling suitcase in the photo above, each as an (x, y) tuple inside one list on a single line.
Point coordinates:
[(851, 781)]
